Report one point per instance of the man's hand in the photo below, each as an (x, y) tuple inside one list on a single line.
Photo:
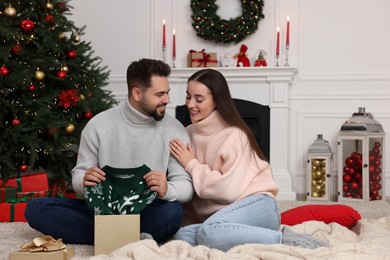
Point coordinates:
[(182, 153), (157, 181), (92, 176)]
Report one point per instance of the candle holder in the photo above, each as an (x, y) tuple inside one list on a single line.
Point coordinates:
[(173, 64), (277, 60), (287, 48), (164, 49)]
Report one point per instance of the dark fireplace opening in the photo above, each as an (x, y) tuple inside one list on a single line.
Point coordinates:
[(255, 115)]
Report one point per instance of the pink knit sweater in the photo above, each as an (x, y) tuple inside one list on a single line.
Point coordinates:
[(226, 169)]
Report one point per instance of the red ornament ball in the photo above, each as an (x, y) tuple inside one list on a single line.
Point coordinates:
[(354, 186), (17, 49), (50, 19), (349, 161), (4, 71), (71, 54), (88, 115), (377, 144), (15, 122), (61, 74), (27, 26), (31, 88), (347, 178), (23, 168)]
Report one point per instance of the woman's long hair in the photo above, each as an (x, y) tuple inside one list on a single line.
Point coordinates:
[(216, 82)]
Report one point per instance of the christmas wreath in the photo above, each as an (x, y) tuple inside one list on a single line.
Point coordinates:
[(211, 26)]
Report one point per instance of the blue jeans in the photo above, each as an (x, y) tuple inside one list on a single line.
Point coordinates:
[(72, 220), (253, 219)]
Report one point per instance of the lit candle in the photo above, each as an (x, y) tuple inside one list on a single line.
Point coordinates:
[(277, 41), (288, 31), (164, 37), (174, 44)]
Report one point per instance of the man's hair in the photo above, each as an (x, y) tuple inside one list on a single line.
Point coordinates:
[(139, 73)]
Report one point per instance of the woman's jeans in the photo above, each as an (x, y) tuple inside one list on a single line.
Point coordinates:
[(254, 219), (72, 220)]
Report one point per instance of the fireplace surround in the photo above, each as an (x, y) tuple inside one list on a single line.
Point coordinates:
[(262, 85)]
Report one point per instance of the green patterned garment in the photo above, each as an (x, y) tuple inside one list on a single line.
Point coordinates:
[(123, 192)]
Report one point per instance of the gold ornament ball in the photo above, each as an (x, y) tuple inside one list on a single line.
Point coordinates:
[(69, 129), (49, 5), (65, 68), (76, 38), (39, 75), (10, 11), (82, 97)]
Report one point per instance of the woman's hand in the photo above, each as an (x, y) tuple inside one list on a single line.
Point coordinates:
[(92, 176), (182, 153)]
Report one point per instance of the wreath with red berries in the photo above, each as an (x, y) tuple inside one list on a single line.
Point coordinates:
[(210, 26)]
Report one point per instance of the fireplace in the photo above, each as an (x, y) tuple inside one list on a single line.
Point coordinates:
[(256, 116), (264, 86)]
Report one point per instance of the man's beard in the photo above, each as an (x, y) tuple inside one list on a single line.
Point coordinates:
[(153, 112)]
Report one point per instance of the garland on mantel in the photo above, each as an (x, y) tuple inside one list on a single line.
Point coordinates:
[(211, 26)]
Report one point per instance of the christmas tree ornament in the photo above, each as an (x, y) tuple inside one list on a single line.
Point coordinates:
[(64, 68), (10, 11), (61, 35), (4, 71), (31, 88), (17, 49), (27, 26), (23, 168), (61, 74), (76, 38), (71, 54), (69, 128), (50, 19), (15, 122), (39, 75), (82, 97), (88, 115), (49, 5)]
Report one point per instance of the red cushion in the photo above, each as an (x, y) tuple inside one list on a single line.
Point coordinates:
[(341, 214)]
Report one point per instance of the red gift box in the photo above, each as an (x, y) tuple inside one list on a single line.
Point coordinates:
[(12, 212), (7, 193), (29, 183)]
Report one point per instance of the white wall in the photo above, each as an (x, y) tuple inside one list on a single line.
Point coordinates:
[(340, 49)]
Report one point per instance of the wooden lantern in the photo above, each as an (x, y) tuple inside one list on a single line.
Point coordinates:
[(318, 170), (361, 143)]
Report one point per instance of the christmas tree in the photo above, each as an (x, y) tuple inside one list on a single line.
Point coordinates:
[(51, 85)]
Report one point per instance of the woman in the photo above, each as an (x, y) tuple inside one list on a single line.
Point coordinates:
[(235, 192)]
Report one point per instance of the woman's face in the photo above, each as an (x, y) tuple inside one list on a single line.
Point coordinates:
[(199, 101)]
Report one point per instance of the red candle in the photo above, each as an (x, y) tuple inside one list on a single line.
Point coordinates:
[(174, 44), (164, 37), (277, 41), (288, 31)]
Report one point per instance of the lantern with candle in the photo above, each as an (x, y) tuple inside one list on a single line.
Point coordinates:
[(361, 143), (319, 178)]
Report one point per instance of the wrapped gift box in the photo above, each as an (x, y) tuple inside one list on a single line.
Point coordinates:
[(6, 193), (63, 254), (114, 231), (33, 185), (12, 212), (202, 59)]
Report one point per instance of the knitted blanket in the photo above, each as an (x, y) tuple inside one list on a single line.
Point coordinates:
[(368, 239)]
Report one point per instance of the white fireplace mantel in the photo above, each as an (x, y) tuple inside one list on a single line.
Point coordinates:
[(263, 85)]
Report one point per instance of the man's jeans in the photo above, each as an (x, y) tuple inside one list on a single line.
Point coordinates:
[(253, 219), (72, 220)]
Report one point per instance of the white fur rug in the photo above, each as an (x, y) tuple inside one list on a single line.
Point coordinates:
[(369, 239)]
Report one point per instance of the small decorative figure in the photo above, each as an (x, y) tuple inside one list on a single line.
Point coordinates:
[(261, 59), (242, 59)]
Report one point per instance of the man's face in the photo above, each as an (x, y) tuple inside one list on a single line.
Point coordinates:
[(154, 100)]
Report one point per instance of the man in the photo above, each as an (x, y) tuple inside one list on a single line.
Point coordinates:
[(135, 133)]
